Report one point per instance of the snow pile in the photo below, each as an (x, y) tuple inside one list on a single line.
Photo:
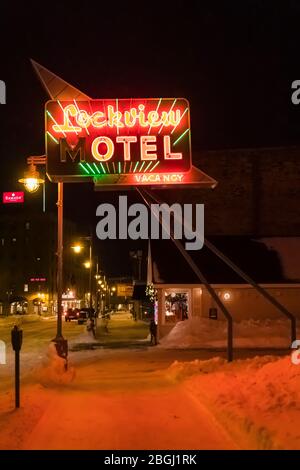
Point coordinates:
[(198, 332), (258, 398), (277, 384), (263, 401), (181, 370), (84, 338), (53, 371)]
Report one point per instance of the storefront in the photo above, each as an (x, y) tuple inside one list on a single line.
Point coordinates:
[(180, 296), (69, 300)]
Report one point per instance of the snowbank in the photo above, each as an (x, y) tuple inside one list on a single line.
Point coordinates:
[(53, 370), (200, 332), (181, 370), (258, 398)]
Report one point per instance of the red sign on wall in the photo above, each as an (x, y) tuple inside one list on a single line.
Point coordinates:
[(98, 138), (13, 197)]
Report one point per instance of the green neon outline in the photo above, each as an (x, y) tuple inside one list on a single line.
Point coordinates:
[(90, 168), (82, 166), (103, 169), (181, 136), (97, 168), (53, 138)]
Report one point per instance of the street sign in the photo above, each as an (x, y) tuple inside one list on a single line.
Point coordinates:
[(145, 139), (124, 290), (13, 197)]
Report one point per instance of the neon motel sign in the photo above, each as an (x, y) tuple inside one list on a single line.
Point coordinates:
[(134, 141)]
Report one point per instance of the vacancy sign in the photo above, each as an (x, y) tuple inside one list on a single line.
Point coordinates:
[(13, 197), (101, 139)]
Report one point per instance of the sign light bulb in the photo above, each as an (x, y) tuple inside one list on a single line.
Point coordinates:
[(77, 248), (31, 184)]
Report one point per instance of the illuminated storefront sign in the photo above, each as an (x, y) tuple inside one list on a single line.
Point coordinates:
[(13, 197), (124, 290), (146, 139)]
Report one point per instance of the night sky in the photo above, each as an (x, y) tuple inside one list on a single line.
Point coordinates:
[(234, 62)]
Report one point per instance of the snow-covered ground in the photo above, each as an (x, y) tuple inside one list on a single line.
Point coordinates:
[(257, 400), (152, 397), (108, 399), (200, 332)]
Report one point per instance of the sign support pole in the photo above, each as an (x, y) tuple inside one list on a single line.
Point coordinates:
[(203, 280), (90, 274), (59, 335)]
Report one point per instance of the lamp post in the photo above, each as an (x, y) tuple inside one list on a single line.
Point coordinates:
[(111, 291), (32, 181), (77, 248)]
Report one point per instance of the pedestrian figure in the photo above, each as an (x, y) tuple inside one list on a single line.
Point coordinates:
[(153, 332), (105, 322), (90, 326)]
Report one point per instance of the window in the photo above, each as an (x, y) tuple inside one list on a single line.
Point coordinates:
[(176, 306)]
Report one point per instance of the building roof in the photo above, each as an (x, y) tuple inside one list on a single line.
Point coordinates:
[(262, 261)]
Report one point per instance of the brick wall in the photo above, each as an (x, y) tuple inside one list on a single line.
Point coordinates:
[(258, 192)]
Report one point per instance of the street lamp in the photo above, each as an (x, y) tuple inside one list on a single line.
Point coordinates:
[(77, 248), (31, 181)]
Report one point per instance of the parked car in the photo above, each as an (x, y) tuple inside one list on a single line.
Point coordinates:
[(72, 314), (84, 314)]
